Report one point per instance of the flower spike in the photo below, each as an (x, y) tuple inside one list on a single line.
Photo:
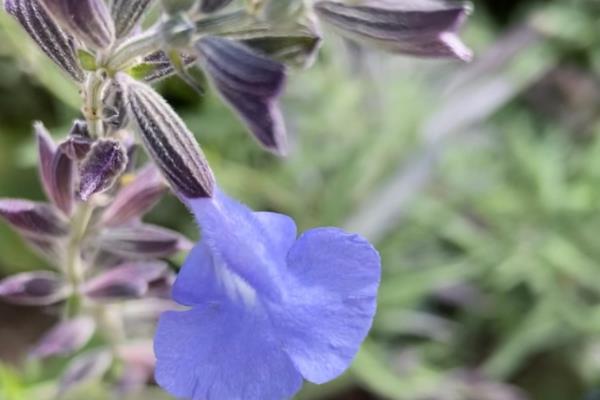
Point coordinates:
[(268, 309)]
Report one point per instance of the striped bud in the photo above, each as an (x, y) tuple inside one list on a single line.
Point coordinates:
[(102, 167), (36, 220), (168, 141), (34, 289), (83, 369), (127, 14), (87, 20), (57, 44), (251, 84), (141, 241), (64, 338), (423, 28), (128, 281), (136, 198)]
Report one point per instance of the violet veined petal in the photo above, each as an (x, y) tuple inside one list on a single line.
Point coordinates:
[(57, 170), (37, 220), (49, 37), (218, 352), (141, 241), (126, 281), (168, 141), (127, 14), (250, 83), (87, 20), (78, 144), (101, 168), (65, 338), (211, 6), (46, 152), (424, 29), (34, 289), (332, 290), (136, 198)]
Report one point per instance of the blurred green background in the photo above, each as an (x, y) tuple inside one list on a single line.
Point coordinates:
[(479, 184)]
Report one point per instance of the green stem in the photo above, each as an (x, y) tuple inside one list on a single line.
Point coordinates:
[(126, 54), (74, 262)]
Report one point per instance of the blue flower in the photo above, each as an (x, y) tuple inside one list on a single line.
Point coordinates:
[(267, 310)]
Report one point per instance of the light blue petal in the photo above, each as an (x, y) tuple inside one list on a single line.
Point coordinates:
[(196, 282), (218, 352), (236, 236), (280, 229), (330, 301)]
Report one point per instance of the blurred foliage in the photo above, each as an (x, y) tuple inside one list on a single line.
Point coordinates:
[(480, 184)]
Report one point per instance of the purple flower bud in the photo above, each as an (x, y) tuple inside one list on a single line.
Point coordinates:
[(425, 29), (65, 338), (78, 143), (136, 198), (211, 6), (127, 14), (32, 219), (49, 37), (87, 20), (56, 171), (251, 84), (128, 281), (34, 289), (168, 141), (105, 162), (85, 368), (141, 241)]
